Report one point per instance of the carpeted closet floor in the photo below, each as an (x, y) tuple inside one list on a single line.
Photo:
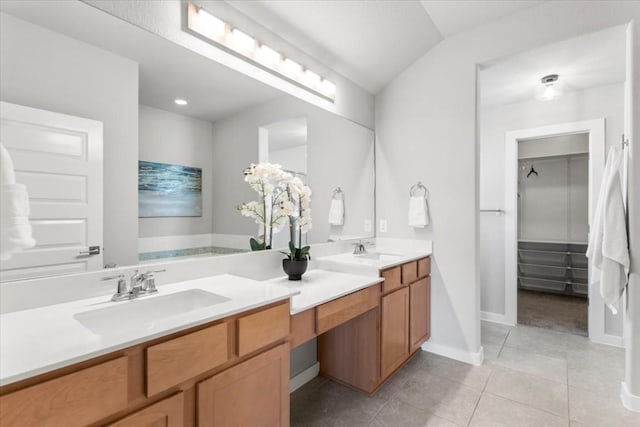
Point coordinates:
[(557, 312)]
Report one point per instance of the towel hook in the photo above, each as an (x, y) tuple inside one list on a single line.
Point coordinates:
[(417, 187), (337, 193)]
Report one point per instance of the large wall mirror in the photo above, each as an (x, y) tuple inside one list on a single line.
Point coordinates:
[(110, 160)]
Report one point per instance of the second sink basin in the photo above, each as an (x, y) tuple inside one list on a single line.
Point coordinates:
[(145, 312)]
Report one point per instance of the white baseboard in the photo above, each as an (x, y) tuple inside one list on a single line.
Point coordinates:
[(495, 318), (475, 359), (304, 377), (630, 401), (607, 339)]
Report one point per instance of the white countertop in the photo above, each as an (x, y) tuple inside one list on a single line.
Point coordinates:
[(320, 286), (370, 264), (46, 338)]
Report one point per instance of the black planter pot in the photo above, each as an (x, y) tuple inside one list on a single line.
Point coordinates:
[(294, 268)]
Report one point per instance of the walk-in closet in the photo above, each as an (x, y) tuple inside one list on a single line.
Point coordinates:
[(553, 205)]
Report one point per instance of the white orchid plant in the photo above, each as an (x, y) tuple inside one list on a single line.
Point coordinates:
[(283, 199)]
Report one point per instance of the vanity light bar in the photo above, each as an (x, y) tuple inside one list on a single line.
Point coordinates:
[(213, 28)]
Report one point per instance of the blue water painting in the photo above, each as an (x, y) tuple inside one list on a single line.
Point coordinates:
[(168, 190)]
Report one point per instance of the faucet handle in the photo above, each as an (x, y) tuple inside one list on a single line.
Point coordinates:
[(121, 291), (149, 281)]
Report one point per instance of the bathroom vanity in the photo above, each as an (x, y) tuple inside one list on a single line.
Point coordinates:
[(213, 351)]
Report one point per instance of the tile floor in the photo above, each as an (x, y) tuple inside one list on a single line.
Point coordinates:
[(531, 377)]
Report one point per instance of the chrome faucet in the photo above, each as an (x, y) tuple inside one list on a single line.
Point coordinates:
[(140, 285), (359, 248)]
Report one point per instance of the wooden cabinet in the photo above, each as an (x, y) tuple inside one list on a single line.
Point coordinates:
[(392, 279), (174, 361), (365, 351), (419, 313), (166, 413), (394, 343), (254, 393), (303, 327), (154, 384), (341, 310), (259, 329), (76, 399)]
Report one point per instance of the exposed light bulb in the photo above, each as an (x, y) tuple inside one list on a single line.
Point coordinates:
[(291, 68), (180, 101), (267, 56), (311, 79), (209, 26), (213, 28), (328, 88), (549, 88), (242, 42)]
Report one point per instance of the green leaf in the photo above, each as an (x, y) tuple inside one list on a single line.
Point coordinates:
[(257, 246)]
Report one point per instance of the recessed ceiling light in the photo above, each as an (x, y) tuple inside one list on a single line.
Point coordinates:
[(180, 101)]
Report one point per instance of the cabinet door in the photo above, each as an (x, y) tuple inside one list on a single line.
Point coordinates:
[(420, 312), (395, 330), (166, 413), (254, 393)]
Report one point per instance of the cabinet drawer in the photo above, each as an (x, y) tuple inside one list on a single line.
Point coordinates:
[(409, 272), (424, 267), (262, 328), (303, 327), (166, 413), (78, 399), (334, 313), (180, 359), (392, 279)]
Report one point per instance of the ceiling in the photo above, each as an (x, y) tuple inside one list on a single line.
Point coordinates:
[(592, 60), (372, 41), (368, 41), (167, 71)]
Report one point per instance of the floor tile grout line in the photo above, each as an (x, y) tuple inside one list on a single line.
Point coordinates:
[(475, 408), (517, 371), (527, 405)]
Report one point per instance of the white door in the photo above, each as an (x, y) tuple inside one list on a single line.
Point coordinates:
[(59, 159)]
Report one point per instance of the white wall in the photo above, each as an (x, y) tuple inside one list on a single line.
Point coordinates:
[(339, 154), (291, 158), (167, 137), (553, 205), (605, 101), (43, 69), (166, 19), (426, 129)]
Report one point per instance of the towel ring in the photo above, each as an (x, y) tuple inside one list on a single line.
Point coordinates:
[(418, 187), (338, 194)]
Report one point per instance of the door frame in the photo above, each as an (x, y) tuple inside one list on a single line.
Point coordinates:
[(596, 131)]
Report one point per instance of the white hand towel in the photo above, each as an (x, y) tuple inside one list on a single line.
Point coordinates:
[(608, 248), (418, 212), (336, 212), (15, 230)]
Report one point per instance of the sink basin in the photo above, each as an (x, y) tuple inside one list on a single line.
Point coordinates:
[(378, 256), (144, 313), (367, 264)]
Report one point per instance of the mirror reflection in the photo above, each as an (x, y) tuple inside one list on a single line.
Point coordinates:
[(134, 152)]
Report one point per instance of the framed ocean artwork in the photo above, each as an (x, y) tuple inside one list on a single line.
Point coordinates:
[(169, 190)]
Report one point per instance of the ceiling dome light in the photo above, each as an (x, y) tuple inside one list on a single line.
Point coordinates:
[(549, 88), (180, 101)]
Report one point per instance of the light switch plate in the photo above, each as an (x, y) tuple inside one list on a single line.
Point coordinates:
[(367, 226), (383, 225)]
